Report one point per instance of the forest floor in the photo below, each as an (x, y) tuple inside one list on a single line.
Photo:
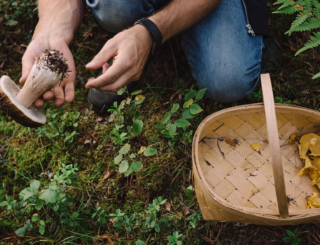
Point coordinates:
[(84, 211)]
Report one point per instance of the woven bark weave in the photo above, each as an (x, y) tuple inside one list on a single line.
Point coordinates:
[(233, 182)]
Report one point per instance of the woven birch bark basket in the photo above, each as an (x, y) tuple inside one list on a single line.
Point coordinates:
[(234, 183)]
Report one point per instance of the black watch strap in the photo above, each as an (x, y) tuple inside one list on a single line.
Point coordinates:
[(154, 31)]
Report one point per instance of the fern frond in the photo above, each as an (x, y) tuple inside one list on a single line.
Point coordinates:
[(286, 4), (281, 1), (306, 4), (316, 8), (298, 21), (312, 43), (288, 10), (310, 24)]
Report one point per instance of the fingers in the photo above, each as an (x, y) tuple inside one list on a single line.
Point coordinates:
[(105, 54), (27, 63), (116, 86), (39, 103), (59, 96)]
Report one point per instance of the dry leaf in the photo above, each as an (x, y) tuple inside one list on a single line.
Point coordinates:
[(106, 239), (107, 175), (256, 146), (142, 149), (313, 201), (168, 206), (292, 138), (265, 141), (231, 142), (186, 212)]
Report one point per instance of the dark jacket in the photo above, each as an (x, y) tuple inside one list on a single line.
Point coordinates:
[(257, 17)]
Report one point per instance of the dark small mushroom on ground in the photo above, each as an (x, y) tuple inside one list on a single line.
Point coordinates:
[(49, 69)]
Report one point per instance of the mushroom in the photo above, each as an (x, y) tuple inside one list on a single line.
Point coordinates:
[(48, 70)]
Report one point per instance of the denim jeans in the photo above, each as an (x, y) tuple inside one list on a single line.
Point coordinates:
[(223, 57)]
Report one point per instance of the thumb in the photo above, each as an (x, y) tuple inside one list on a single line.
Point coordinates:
[(27, 63)]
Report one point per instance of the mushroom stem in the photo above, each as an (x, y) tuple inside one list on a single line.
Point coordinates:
[(50, 68), (38, 82)]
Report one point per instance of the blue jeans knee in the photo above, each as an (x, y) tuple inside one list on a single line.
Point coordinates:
[(116, 15)]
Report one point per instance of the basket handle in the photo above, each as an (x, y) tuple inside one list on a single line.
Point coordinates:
[(274, 143)]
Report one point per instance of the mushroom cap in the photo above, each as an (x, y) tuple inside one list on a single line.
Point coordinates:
[(32, 117)]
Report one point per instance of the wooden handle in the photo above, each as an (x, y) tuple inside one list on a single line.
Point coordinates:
[(273, 137)]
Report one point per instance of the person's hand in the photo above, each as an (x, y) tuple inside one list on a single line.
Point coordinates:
[(64, 91), (129, 50)]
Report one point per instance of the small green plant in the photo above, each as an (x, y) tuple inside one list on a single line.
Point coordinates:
[(127, 162), (51, 196), (282, 101), (257, 96), (308, 19), (117, 117), (174, 239), (175, 128), (60, 126), (292, 237), (146, 221), (194, 218)]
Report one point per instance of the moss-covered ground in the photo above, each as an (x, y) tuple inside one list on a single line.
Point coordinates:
[(34, 154)]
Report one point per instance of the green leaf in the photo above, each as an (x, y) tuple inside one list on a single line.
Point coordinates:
[(290, 233), (136, 92), (175, 108), (125, 149), (139, 242), (26, 193), (182, 123), (189, 191), (149, 152), (128, 172), (295, 241), (123, 166), (49, 196), (4, 203), (188, 103), (157, 228), (42, 228), (136, 166), (200, 94), (121, 91), (316, 76), (136, 116), (195, 109), (166, 118), (34, 185), (287, 239), (35, 218), (133, 156), (118, 159), (21, 231), (172, 129), (137, 127), (187, 115), (190, 95)]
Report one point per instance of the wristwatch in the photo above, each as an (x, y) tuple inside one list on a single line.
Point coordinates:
[(154, 31)]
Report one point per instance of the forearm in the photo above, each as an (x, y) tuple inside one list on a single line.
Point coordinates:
[(59, 19), (181, 14)]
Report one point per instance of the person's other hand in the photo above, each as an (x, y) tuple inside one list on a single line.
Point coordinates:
[(129, 50), (63, 92)]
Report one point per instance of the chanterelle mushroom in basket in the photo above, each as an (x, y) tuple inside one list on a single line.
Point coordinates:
[(49, 69)]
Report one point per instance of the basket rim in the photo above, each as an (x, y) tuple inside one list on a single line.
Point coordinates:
[(273, 214)]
